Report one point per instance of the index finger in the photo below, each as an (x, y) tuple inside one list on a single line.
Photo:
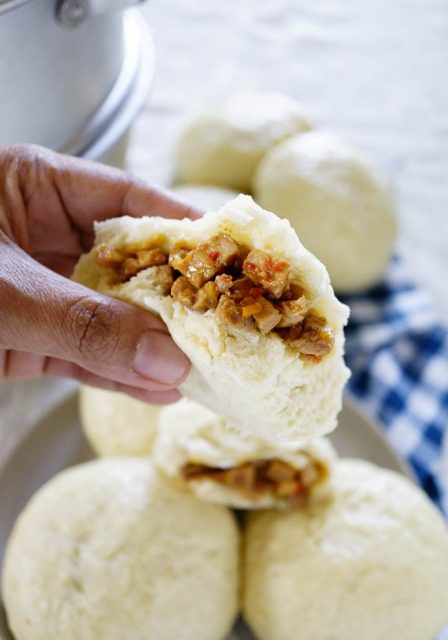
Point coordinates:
[(91, 191)]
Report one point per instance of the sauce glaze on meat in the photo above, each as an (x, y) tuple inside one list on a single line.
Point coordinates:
[(249, 289), (257, 478)]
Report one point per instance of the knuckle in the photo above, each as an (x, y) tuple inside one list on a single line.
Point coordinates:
[(18, 163), (94, 326), (26, 161), (20, 154)]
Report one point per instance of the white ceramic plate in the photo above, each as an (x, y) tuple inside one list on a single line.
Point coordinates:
[(56, 442)]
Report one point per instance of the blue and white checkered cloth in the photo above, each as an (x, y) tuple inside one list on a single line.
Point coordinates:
[(398, 354)]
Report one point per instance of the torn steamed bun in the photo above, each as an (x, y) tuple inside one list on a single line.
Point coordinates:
[(250, 306), (203, 452)]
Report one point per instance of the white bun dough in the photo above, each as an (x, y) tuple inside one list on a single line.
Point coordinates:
[(191, 434), (340, 206), (116, 424), (109, 550), (254, 380), (223, 145), (204, 196), (370, 564)]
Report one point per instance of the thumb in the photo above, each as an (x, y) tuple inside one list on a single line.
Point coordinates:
[(44, 313)]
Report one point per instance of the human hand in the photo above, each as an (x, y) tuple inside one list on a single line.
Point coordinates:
[(50, 325)]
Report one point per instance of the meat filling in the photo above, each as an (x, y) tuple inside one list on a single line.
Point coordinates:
[(268, 271), (310, 337), (130, 263), (206, 260), (248, 289), (259, 478)]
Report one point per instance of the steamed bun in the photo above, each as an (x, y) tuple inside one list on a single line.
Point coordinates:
[(110, 550), (204, 196), (115, 424), (340, 206), (372, 563), (223, 145), (257, 381), (202, 451)]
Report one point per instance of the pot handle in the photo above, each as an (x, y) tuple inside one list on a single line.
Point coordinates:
[(70, 13)]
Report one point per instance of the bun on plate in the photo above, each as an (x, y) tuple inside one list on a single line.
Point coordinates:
[(370, 563), (110, 549)]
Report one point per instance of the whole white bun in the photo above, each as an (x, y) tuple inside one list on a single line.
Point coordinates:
[(372, 563), (110, 550), (254, 380), (115, 424), (191, 434), (204, 196), (223, 145), (340, 206)]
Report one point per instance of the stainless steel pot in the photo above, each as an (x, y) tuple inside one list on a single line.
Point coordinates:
[(67, 69), (105, 136)]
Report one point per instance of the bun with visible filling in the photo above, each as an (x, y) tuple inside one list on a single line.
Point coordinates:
[(249, 305), (209, 456)]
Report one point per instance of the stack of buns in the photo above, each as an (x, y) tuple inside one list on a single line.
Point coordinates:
[(143, 542)]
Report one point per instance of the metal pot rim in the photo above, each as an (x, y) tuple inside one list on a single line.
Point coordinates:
[(127, 96), (9, 5)]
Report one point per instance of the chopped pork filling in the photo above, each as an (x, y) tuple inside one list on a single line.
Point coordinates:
[(258, 478), (247, 289)]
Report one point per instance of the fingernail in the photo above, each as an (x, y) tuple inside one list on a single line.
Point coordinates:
[(158, 358)]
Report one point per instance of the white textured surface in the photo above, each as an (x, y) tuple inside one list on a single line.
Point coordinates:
[(374, 73)]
